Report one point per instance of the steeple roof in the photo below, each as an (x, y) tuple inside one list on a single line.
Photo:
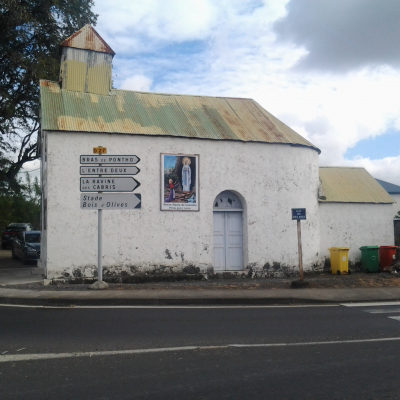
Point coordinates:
[(88, 39)]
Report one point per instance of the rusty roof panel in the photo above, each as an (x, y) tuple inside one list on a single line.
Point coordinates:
[(161, 114), (258, 131), (265, 124), (351, 185), (291, 135), (198, 116), (232, 119), (88, 39), (213, 119), (50, 94)]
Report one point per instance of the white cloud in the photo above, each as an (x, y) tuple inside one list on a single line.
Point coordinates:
[(140, 83), (138, 25), (386, 169)]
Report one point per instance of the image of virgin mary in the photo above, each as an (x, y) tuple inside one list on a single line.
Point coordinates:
[(186, 174)]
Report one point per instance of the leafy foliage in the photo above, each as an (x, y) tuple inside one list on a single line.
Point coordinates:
[(23, 206), (29, 50)]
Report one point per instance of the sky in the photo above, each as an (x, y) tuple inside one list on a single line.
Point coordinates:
[(328, 69)]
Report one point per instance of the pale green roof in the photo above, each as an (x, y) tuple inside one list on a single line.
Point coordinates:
[(138, 113), (351, 185)]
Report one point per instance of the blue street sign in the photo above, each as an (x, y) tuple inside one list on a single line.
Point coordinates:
[(298, 213)]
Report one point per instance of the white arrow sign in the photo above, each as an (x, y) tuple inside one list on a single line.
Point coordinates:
[(111, 201), (97, 184), (117, 170), (109, 159)]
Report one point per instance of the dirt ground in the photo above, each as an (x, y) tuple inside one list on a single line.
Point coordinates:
[(322, 280)]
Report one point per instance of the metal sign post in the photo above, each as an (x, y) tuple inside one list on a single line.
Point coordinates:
[(99, 245), (99, 242), (299, 214), (300, 250)]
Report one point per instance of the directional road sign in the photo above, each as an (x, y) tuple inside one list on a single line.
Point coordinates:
[(110, 170), (111, 201), (109, 184), (109, 159)]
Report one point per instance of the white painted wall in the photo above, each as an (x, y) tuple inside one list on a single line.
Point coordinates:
[(354, 225), (270, 179)]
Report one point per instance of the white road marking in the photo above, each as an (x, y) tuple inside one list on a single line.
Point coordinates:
[(205, 306), (383, 311), (47, 356), (368, 304)]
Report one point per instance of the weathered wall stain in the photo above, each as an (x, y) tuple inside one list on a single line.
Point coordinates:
[(183, 271), (168, 254)]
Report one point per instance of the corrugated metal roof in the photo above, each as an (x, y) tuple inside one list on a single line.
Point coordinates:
[(351, 185), (139, 113), (389, 187), (87, 38)]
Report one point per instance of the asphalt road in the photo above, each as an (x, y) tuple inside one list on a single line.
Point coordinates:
[(200, 353)]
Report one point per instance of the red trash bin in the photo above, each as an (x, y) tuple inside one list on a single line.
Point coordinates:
[(386, 255)]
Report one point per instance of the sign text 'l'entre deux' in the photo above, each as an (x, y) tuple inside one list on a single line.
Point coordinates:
[(106, 170)]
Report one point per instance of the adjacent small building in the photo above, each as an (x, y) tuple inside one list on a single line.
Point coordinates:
[(201, 185), (355, 211)]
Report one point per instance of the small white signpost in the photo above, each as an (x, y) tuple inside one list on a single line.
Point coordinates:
[(298, 214), (119, 165)]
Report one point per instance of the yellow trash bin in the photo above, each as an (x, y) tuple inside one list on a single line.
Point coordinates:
[(339, 260)]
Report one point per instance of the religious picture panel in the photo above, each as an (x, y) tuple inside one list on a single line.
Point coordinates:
[(180, 182)]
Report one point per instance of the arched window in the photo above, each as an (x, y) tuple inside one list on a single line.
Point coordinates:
[(227, 200)]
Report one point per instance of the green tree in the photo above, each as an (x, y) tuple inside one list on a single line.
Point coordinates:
[(23, 206), (31, 31)]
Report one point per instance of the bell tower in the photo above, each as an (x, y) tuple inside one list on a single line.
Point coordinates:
[(86, 62)]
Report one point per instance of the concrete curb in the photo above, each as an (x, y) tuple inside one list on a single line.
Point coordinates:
[(195, 297)]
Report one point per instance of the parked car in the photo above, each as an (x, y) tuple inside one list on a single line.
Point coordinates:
[(11, 231), (26, 246)]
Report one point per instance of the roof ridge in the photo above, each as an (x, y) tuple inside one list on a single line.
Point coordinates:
[(181, 94)]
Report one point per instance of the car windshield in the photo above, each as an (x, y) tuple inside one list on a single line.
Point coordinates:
[(15, 228), (32, 237)]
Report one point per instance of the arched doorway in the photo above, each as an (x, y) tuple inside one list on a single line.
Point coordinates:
[(228, 232)]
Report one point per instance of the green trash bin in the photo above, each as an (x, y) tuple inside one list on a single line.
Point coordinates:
[(370, 258)]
